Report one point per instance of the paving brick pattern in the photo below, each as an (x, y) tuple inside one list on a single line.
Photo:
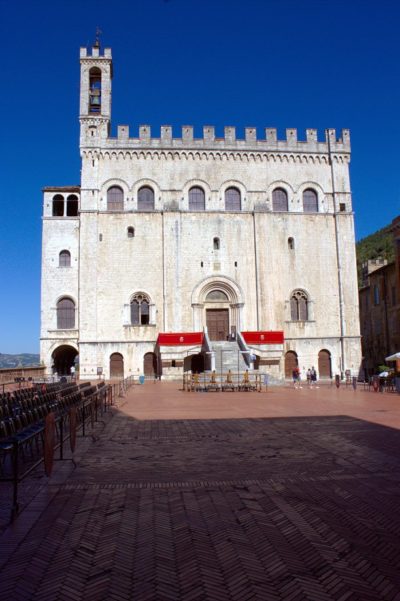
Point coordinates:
[(296, 508)]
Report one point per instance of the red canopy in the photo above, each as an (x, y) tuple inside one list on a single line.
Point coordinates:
[(263, 337), (180, 339)]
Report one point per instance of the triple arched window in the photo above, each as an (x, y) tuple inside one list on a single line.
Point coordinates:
[(197, 199), (233, 201), (299, 306), (140, 309), (65, 314)]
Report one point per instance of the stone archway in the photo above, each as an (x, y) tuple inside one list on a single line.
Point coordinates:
[(150, 365), (64, 358), (324, 364), (116, 366), (217, 304), (291, 361)]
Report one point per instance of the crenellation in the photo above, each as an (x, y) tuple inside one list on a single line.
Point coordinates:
[(250, 134), (291, 136), (311, 136), (250, 142), (270, 134), (145, 132), (230, 134), (187, 133), (94, 52), (209, 133), (123, 132), (166, 134)]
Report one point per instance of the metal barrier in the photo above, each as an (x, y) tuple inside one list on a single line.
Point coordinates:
[(223, 382), (118, 389), (67, 415)]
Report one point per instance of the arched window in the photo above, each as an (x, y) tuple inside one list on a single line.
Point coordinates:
[(280, 200), (145, 199), (233, 200), (290, 243), (58, 205), (64, 259), (216, 244), (65, 314), (197, 199), (299, 306), (115, 199), (131, 232), (95, 90), (72, 206), (310, 201), (140, 309)]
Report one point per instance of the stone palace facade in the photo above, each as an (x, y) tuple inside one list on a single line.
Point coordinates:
[(178, 253)]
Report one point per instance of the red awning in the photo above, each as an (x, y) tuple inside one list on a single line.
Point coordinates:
[(263, 337), (180, 339)]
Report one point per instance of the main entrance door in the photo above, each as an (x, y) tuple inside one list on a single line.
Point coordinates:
[(218, 323)]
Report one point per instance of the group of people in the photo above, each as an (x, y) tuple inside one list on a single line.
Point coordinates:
[(311, 376)]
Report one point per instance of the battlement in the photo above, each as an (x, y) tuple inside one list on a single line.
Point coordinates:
[(95, 52), (250, 141)]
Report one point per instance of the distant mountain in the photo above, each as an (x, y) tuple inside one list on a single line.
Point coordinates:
[(24, 360), (379, 244)]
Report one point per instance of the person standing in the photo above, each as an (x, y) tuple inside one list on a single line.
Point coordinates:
[(313, 376)]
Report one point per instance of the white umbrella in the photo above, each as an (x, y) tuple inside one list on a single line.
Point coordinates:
[(393, 357)]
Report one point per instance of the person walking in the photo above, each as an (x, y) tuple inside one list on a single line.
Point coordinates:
[(313, 377)]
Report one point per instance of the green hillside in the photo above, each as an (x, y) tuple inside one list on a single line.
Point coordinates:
[(23, 359), (379, 244)]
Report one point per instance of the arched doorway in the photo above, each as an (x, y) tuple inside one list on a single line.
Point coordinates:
[(150, 365), (217, 315), (64, 358), (291, 362), (116, 366), (324, 364), (217, 303)]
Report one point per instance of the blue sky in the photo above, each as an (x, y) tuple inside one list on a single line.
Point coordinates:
[(309, 64)]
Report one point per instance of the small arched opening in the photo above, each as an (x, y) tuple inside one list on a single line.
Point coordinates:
[(116, 366), (58, 206), (72, 206), (291, 361), (64, 357), (324, 364), (150, 365)]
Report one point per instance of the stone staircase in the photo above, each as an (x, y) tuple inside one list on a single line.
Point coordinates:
[(228, 357)]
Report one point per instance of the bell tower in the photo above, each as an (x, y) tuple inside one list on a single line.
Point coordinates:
[(95, 95)]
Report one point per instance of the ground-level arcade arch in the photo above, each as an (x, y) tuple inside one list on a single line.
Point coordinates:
[(150, 365), (64, 357), (291, 361), (324, 364), (194, 363), (116, 366)]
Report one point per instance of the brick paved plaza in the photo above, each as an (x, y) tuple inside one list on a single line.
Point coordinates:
[(284, 495)]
